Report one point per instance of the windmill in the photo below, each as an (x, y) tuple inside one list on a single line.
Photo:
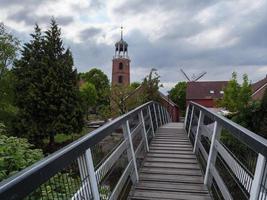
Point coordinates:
[(193, 77)]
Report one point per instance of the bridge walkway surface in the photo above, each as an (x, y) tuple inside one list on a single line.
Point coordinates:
[(170, 169)]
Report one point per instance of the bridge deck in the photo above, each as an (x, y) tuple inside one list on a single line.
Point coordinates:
[(170, 169)]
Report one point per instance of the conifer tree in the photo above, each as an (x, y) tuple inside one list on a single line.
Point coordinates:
[(47, 90)]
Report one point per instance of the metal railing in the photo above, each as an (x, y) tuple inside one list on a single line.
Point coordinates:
[(232, 157), (101, 165)]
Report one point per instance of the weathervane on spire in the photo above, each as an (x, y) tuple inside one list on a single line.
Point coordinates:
[(121, 32)]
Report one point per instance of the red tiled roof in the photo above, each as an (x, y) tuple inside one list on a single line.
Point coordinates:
[(256, 86), (202, 89)]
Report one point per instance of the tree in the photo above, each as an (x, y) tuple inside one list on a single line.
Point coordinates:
[(89, 96), (119, 95), (263, 116), (230, 98), (47, 92), (135, 85), (178, 95), (9, 45), (151, 86), (101, 83)]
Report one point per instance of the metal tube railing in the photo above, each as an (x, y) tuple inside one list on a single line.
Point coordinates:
[(70, 173), (224, 168)]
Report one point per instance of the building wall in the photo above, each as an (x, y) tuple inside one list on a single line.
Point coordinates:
[(124, 72), (209, 103)]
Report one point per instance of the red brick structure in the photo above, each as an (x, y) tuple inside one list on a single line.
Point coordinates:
[(172, 108), (121, 64), (205, 93), (259, 88)]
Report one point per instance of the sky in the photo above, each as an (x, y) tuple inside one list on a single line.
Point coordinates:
[(214, 36)]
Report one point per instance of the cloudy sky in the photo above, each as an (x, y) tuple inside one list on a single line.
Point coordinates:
[(196, 35)]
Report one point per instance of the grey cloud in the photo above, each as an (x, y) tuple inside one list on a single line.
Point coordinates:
[(88, 33), (26, 16)]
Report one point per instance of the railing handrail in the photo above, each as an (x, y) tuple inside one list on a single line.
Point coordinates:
[(38, 173), (251, 139)]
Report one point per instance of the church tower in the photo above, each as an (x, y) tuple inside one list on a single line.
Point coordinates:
[(121, 63)]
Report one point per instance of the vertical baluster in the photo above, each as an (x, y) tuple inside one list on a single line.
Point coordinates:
[(155, 113), (130, 150), (197, 136), (151, 121), (144, 135), (191, 119), (162, 116), (212, 153), (257, 180), (186, 116), (86, 168), (160, 120)]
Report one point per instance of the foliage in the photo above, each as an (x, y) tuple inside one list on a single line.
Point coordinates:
[(230, 97), (151, 85), (101, 83), (119, 95), (178, 95), (263, 116), (9, 45), (89, 96), (47, 94), (15, 155), (135, 85)]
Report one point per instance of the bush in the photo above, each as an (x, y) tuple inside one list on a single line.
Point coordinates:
[(15, 155)]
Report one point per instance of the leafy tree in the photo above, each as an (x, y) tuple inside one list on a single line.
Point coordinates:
[(119, 95), (231, 94), (178, 95), (9, 45), (101, 83), (46, 88), (151, 85), (89, 96), (263, 116), (135, 85)]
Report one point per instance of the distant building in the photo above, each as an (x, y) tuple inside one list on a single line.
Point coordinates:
[(205, 93), (258, 89), (121, 63)]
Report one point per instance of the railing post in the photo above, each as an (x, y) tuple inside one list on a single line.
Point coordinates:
[(141, 117), (90, 165), (130, 151), (162, 115), (259, 173), (191, 119), (186, 116), (156, 118), (197, 136), (151, 121), (159, 116), (166, 117), (86, 168), (212, 152)]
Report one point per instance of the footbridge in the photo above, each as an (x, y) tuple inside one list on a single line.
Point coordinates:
[(143, 155)]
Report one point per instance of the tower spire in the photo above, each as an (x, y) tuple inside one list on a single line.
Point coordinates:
[(121, 32)]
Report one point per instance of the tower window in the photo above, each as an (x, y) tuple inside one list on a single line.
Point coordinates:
[(120, 66), (120, 79)]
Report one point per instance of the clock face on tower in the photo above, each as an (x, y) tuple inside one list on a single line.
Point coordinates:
[(121, 63)]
